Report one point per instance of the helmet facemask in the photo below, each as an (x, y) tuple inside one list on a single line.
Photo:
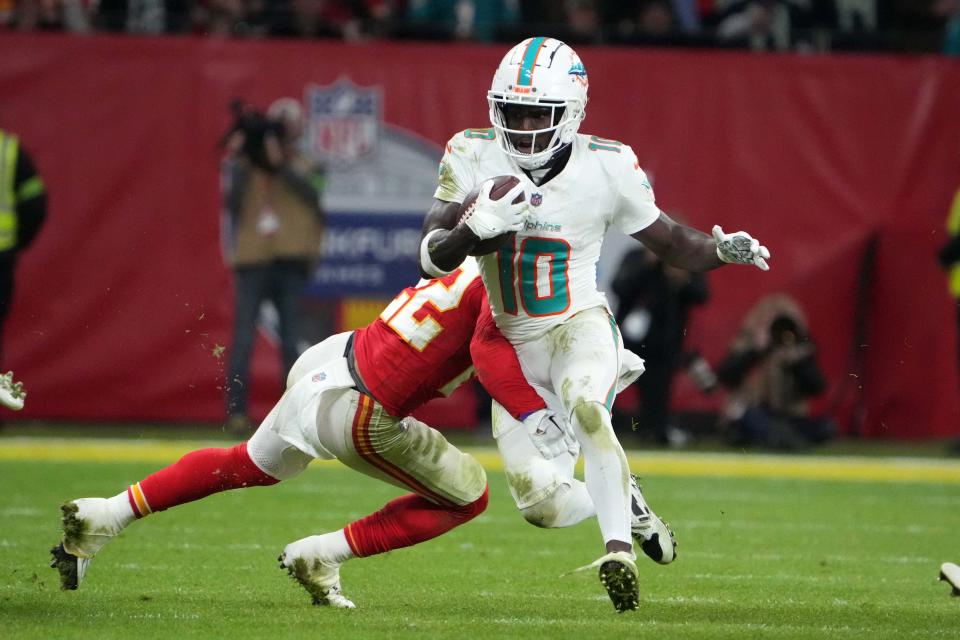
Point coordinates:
[(533, 148)]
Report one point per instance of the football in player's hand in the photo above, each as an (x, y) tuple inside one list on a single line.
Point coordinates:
[(501, 185)]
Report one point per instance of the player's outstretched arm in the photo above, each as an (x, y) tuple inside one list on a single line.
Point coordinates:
[(687, 248), (443, 243)]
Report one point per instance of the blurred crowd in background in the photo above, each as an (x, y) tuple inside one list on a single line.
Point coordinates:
[(914, 26)]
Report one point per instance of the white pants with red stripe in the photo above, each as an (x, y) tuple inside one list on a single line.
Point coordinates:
[(322, 416)]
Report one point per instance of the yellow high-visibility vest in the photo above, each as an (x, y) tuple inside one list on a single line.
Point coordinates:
[(953, 228), (8, 196)]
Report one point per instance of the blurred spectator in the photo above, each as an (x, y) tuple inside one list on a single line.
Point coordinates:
[(536, 14), (52, 15), (317, 19), (771, 373), (656, 18), (7, 13), (950, 9), (583, 22), (685, 15), (857, 15), (856, 24), (949, 257), (23, 208), (275, 228), (765, 25), (654, 302), (463, 19), (222, 18), (644, 21), (807, 25), (133, 16)]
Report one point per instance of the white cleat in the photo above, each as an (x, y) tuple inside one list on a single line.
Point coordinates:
[(652, 534), (12, 395), (951, 574), (619, 576), (88, 525), (307, 563)]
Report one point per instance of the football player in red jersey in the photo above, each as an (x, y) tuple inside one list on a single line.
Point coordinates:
[(345, 399)]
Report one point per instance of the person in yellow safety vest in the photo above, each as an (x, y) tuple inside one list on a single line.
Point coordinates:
[(949, 256), (23, 208)]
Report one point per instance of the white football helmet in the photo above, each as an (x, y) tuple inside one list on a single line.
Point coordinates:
[(541, 72)]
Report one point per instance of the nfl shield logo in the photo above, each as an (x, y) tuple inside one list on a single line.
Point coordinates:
[(536, 199), (344, 121)]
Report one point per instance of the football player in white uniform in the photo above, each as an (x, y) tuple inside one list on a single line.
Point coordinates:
[(542, 283)]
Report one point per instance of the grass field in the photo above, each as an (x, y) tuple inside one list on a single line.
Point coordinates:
[(770, 547)]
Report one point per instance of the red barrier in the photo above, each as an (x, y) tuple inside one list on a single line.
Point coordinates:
[(124, 299)]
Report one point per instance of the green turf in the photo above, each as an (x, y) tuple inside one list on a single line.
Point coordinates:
[(759, 558)]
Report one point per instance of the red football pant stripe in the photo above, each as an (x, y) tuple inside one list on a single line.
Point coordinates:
[(364, 448)]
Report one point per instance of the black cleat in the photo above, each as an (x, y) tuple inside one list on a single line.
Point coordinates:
[(618, 575), (70, 567)]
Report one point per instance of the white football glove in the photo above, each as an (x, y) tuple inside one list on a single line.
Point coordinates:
[(489, 218), (548, 435), (740, 248)]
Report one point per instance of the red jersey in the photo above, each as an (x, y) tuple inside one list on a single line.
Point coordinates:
[(420, 347)]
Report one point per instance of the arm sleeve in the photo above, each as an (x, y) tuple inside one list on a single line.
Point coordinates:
[(31, 197), (456, 171), (498, 368), (636, 206)]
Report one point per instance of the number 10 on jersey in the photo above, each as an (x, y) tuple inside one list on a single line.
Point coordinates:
[(537, 276)]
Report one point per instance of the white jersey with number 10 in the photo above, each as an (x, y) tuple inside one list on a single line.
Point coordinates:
[(549, 272)]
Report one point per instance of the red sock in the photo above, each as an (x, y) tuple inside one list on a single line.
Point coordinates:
[(406, 521), (196, 475)]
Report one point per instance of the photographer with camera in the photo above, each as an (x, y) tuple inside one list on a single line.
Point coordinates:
[(273, 230), (771, 374)]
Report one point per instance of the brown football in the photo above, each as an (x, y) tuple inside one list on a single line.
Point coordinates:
[(501, 185)]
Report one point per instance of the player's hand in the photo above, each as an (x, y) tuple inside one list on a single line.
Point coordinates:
[(489, 218), (740, 248), (548, 434)]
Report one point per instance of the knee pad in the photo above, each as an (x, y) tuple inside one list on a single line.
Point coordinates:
[(471, 480), (544, 514), (535, 483), (276, 457)]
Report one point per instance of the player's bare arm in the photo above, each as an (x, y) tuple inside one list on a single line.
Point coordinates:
[(448, 242), (679, 245), (687, 248), (496, 208)]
